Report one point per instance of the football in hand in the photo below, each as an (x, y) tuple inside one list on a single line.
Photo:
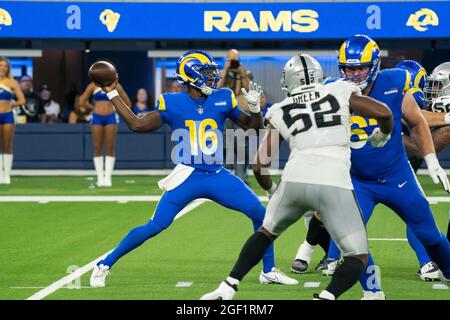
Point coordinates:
[(102, 73)]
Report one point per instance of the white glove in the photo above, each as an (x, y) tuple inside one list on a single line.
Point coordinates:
[(378, 139), (272, 189), (436, 172), (253, 96), (447, 118)]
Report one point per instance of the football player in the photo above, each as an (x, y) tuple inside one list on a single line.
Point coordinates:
[(428, 270), (315, 120), (384, 175), (438, 122), (198, 117)]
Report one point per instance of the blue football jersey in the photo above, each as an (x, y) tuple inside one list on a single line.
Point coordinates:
[(371, 163), (198, 126)]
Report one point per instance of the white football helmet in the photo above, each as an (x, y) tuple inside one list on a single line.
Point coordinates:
[(301, 73), (438, 83)]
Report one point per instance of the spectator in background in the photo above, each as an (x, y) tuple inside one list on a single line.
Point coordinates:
[(31, 111), (235, 77), (140, 103), (80, 114), (50, 106), (69, 103)]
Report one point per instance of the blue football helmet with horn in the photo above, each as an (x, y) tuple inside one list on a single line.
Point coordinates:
[(198, 69)]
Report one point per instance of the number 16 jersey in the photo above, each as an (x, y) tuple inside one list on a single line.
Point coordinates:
[(316, 124)]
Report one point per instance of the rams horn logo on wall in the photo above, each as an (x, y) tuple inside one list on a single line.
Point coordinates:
[(423, 18), (110, 19), (5, 18)]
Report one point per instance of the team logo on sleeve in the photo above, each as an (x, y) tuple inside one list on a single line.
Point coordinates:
[(5, 18), (421, 19), (110, 19)]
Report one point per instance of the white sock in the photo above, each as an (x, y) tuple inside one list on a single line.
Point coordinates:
[(305, 252), (327, 295), (233, 281), (7, 163), (109, 165), (1, 165), (98, 164)]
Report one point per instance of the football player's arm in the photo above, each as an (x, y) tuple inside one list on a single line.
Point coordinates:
[(436, 119), (367, 107), (421, 135), (123, 94), (150, 122), (269, 146), (250, 120), (20, 98), (84, 98), (417, 124)]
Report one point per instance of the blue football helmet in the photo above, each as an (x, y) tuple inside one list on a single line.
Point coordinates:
[(417, 72), (360, 51), (197, 68), (418, 79)]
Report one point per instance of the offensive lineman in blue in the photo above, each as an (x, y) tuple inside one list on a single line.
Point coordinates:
[(384, 175), (197, 117)]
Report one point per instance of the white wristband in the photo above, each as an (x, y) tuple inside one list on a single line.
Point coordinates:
[(112, 94), (431, 159), (447, 118)]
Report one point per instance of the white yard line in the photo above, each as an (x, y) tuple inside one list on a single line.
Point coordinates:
[(388, 239), (143, 172), (124, 199), (86, 268)]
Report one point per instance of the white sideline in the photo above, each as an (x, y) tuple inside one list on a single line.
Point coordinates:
[(139, 172), (86, 268), (124, 199)]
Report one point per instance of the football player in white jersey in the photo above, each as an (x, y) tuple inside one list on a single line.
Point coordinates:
[(315, 120)]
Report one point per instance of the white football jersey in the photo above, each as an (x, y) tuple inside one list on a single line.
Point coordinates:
[(316, 125)]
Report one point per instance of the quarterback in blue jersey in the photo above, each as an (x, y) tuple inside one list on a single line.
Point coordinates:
[(197, 118)]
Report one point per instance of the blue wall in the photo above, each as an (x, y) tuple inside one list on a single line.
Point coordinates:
[(69, 146)]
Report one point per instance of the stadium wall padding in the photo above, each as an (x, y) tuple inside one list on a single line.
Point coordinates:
[(69, 146)]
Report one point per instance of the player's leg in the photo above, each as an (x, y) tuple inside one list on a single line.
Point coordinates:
[(316, 235), (110, 150), (366, 198), (428, 270), (341, 216), (8, 135), (235, 194), (412, 206), (284, 209), (168, 207), (97, 143)]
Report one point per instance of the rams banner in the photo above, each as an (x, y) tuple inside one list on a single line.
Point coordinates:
[(303, 20)]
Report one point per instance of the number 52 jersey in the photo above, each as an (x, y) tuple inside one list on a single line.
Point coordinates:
[(316, 124)]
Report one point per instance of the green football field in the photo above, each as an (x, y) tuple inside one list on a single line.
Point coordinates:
[(43, 239)]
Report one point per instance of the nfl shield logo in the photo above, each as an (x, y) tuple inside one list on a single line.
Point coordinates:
[(200, 110)]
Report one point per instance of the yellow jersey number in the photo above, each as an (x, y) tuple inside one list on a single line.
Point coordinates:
[(200, 132), (358, 135)]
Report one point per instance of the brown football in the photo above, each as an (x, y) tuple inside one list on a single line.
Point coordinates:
[(102, 73)]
